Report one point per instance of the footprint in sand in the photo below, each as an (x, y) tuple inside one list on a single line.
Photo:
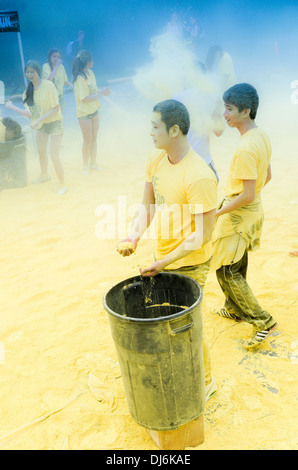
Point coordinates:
[(102, 393)]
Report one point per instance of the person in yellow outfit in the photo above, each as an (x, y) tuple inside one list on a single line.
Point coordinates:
[(240, 216), (182, 187), (87, 105), (54, 71), (42, 106)]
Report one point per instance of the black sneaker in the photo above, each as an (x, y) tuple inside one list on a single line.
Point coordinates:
[(225, 314), (259, 337)]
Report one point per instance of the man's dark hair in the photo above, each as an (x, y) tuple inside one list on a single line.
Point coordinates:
[(173, 113), (243, 96), (13, 129)]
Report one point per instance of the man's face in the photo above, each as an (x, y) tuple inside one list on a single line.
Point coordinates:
[(159, 133), (232, 115)]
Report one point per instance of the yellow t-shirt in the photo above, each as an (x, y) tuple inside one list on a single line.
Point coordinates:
[(84, 87), (2, 131), (59, 79), (45, 98), (250, 161), (180, 190)]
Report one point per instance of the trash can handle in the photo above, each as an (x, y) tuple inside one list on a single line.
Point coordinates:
[(20, 145), (181, 329)]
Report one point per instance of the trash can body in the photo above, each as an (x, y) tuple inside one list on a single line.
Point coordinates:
[(13, 165), (156, 325)]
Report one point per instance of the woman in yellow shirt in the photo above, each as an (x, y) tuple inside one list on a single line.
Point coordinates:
[(87, 104), (54, 71), (42, 107)]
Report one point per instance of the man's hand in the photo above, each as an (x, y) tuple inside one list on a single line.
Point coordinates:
[(154, 269), (58, 63), (126, 247)]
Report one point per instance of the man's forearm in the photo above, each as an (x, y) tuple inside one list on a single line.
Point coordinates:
[(141, 222), (198, 238), (240, 201)]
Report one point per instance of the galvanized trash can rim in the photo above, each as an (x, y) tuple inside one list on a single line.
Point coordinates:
[(158, 319)]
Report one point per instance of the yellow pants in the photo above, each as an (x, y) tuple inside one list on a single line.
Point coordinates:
[(199, 274)]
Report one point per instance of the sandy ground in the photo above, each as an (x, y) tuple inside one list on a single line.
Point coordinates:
[(60, 382)]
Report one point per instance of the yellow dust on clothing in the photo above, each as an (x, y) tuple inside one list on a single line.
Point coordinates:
[(181, 190), (250, 161), (237, 231), (2, 131), (59, 79), (84, 87), (45, 99), (241, 229)]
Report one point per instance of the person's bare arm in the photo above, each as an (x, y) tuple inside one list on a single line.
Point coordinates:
[(245, 197), (269, 175), (54, 71), (203, 231), (52, 111), (23, 112), (140, 223), (104, 92)]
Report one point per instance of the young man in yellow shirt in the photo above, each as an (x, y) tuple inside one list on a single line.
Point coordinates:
[(182, 189), (240, 217)]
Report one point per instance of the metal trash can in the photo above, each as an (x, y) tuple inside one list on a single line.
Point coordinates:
[(156, 325)]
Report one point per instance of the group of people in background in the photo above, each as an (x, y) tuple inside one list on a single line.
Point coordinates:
[(44, 98), (44, 104)]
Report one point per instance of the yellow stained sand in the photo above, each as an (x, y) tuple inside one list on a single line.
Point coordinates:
[(125, 247), (60, 382)]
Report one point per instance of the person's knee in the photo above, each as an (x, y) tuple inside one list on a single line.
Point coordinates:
[(87, 140), (55, 158)]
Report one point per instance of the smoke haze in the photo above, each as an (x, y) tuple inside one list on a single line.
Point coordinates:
[(259, 35)]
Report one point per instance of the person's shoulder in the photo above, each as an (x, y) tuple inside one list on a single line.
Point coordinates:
[(46, 66), (47, 83), (90, 74), (195, 161), (263, 134), (253, 137), (79, 79), (47, 86), (155, 156), (198, 169)]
